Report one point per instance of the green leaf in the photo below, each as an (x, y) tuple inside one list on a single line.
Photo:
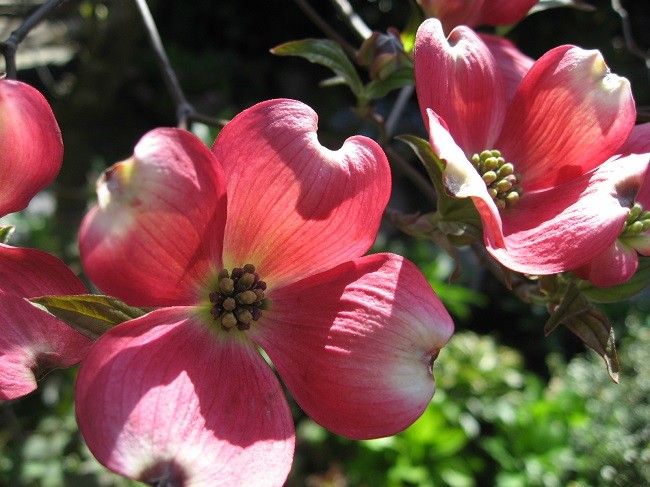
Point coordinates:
[(91, 315), (458, 299), (326, 53), (5, 233), (590, 325), (546, 4), (636, 284), (397, 79)]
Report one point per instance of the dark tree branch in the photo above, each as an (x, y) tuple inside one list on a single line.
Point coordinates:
[(418, 180), (185, 111), (8, 48), (630, 43), (398, 108), (183, 107), (325, 27)]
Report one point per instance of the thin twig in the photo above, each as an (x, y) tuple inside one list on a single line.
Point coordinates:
[(355, 22), (399, 106), (8, 48), (185, 111), (325, 27), (206, 119), (630, 43), (183, 107), (410, 172)]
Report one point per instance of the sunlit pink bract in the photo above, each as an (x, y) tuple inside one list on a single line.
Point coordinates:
[(618, 263), (172, 396), (561, 129), (31, 341)]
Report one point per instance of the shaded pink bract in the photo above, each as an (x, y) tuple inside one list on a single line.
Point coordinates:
[(172, 396), (31, 151)]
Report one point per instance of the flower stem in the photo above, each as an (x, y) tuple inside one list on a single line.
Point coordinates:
[(8, 48), (185, 111), (327, 29)]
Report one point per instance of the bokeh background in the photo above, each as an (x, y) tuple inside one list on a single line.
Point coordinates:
[(513, 408)]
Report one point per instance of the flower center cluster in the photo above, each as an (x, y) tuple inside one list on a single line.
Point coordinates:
[(238, 299), (502, 182), (637, 221)]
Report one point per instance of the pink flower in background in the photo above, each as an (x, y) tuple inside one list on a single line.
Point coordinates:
[(541, 168), (452, 13), (258, 243), (620, 260), (30, 157)]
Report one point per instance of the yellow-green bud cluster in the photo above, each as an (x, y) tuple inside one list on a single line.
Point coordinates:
[(637, 221), (503, 184), (238, 299)]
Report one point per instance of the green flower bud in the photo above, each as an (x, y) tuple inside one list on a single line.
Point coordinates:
[(506, 170), (491, 163), (634, 228), (634, 213), (503, 186), (489, 177), (512, 198)]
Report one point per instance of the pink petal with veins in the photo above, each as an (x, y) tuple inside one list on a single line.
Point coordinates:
[(504, 12), (355, 344), (158, 227), (31, 340), (569, 115), (452, 13), (31, 149), (459, 79), (162, 400), (513, 64), (565, 227), (614, 266), (296, 208), (638, 142)]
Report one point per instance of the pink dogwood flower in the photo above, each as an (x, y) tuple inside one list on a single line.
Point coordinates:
[(618, 263), (258, 243), (472, 13), (30, 157), (541, 168)]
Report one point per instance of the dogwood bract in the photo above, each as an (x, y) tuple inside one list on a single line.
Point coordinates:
[(258, 243), (31, 152), (620, 260), (452, 13), (542, 169)]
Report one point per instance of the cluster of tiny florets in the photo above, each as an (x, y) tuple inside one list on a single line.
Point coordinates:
[(238, 299), (499, 176), (637, 221)]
